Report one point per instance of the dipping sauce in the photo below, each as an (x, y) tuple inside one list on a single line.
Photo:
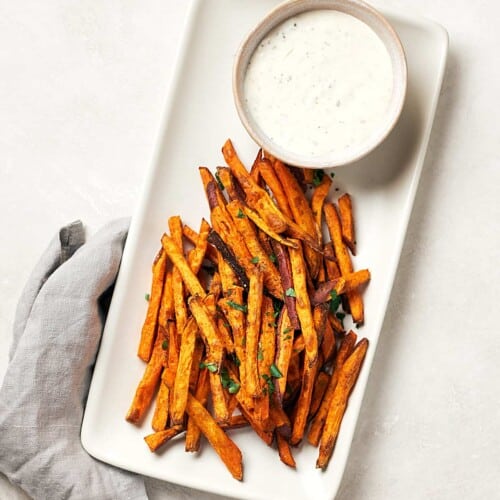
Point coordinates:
[(320, 83)]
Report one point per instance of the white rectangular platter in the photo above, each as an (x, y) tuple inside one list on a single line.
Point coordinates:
[(200, 116)]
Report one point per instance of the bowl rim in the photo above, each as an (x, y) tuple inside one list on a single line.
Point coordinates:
[(278, 15)]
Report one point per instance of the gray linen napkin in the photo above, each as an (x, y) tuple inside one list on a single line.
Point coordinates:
[(57, 330)]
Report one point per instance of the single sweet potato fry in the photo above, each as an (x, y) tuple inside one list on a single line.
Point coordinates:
[(342, 284), (328, 345), (331, 266), (318, 199), (304, 402), (269, 175), (254, 170), (193, 433), (150, 323), (285, 271), (181, 386), (318, 392), (284, 344), (147, 386), (303, 304), (167, 309), (198, 355), (154, 441), (280, 419), (221, 443), (347, 378), (284, 450), (197, 254), (160, 416), (263, 226), (178, 290), (319, 420), (255, 297), (212, 189), (265, 355), (347, 222), (236, 319)]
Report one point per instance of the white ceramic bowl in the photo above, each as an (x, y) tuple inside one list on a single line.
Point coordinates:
[(382, 29)]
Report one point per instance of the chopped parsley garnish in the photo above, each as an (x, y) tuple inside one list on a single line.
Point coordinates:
[(270, 384), (219, 182), (275, 371), (147, 296), (238, 307), (288, 337), (240, 214), (228, 383), (332, 174), (335, 302), (234, 387), (287, 330), (273, 258), (164, 345), (211, 367), (290, 293), (318, 176), (255, 260)]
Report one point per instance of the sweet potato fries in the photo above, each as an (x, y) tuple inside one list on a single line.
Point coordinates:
[(244, 325)]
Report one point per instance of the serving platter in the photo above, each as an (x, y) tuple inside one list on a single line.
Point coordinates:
[(199, 116)]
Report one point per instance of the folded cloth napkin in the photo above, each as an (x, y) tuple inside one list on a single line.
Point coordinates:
[(57, 330)]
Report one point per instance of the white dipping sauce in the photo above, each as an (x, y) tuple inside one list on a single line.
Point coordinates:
[(319, 84)]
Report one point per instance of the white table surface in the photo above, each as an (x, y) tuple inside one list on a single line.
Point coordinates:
[(82, 87)]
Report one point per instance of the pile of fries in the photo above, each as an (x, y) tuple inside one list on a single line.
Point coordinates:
[(250, 316)]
